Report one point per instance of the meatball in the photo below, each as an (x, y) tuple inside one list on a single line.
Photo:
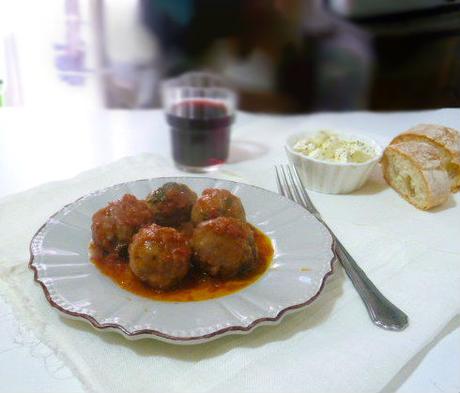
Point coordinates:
[(215, 203), (224, 247), (171, 204), (186, 229), (114, 225), (159, 256)]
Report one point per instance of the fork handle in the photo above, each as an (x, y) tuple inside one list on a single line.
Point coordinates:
[(382, 312)]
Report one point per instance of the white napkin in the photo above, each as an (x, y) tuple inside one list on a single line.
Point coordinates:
[(331, 346)]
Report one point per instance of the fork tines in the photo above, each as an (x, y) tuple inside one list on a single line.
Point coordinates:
[(290, 186)]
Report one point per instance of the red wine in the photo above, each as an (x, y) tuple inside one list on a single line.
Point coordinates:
[(200, 132)]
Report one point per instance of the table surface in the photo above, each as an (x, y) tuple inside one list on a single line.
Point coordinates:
[(38, 147)]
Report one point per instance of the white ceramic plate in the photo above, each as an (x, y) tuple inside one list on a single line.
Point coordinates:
[(72, 284)]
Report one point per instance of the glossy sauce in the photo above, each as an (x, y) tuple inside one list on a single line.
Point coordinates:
[(196, 286)]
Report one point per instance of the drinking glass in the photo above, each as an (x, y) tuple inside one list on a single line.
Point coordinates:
[(200, 109)]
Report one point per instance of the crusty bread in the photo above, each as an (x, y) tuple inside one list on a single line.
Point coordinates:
[(446, 140), (416, 171)]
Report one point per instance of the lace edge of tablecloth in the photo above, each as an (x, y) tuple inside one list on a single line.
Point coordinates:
[(32, 331)]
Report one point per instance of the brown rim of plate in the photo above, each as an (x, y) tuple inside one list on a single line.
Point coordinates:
[(153, 332)]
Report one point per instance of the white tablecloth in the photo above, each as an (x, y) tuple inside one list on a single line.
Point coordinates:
[(312, 350)]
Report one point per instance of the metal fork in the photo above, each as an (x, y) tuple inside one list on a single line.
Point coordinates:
[(382, 312)]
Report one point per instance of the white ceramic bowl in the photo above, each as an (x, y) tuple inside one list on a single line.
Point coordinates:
[(331, 177)]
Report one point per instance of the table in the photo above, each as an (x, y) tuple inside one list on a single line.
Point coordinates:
[(38, 147)]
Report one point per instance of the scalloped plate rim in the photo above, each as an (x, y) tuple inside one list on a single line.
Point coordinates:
[(152, 333)]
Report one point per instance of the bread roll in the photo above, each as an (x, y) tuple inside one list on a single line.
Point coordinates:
[(416, 171), (445, 140)]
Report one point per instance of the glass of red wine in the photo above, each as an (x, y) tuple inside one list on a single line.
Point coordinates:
[(200, 108)]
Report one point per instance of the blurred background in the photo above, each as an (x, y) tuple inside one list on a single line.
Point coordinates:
[(283, 56)]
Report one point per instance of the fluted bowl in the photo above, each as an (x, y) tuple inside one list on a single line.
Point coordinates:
[(332, 177)]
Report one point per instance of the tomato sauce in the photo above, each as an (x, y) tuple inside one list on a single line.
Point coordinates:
[(196, 286)]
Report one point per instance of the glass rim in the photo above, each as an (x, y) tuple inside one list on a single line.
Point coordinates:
[(198, 74), (197, 85), (216, 89)]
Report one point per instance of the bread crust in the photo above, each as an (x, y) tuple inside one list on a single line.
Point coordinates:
[(444, 138), (428, 161)]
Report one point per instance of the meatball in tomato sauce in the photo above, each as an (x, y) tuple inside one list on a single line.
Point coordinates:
[(224, 247), (114, 225), (159, 256), (171, 204), (215, 203)]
